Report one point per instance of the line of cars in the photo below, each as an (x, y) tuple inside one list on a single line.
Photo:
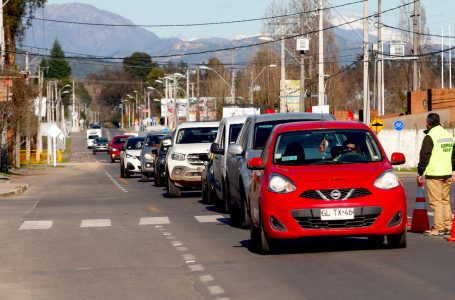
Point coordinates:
[(285, 176)]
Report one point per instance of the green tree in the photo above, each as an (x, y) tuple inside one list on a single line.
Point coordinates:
[(138, 65), (59, 68), (14, 27)]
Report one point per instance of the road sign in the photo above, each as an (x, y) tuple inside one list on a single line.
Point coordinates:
[(377, 125), (398, 125)]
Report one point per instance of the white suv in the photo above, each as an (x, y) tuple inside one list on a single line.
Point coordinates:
[(130, 157), (183, 163)]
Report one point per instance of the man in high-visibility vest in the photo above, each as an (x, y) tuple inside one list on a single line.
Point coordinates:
[(437, 164)]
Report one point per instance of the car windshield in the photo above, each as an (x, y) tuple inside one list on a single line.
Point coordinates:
[(196, 135), (154, 139), (334, 146), (135, 144), (92, 137), (95, 126), (262, 131), (234, 132), (120, 140)]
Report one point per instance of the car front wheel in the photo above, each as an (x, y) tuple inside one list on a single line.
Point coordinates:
[(172, 190), (260, 243), (397, 240)]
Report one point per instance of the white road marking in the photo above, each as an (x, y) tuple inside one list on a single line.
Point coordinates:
[(154, 221), (96, 223), (176, 243), (166, 233), (183, 248), (206, 278), (224, 298), (170, 237), (215, 290), (27, 225), (188, 257), (209, 218), (196, 267)]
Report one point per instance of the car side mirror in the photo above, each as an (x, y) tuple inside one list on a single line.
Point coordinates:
[(109, 144), (167, 142), (215, 149), (235, 149), (255, 163), (398, 158), (204, 157)]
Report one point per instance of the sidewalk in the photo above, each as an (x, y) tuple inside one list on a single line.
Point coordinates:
[(17, 182)]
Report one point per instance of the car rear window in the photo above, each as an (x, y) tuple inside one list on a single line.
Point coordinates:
[(154, 139), (135, 144), (101, 140), (326, 147), (262, 131), (196, 135), (92, 137), (120, 140)]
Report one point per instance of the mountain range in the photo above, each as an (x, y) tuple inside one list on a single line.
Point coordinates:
[(116, 41)]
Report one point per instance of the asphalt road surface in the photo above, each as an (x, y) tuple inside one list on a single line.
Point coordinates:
[(82, 232)]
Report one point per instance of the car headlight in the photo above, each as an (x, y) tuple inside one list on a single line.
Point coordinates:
[(114, 149), (148, 156), (178, 156), (129, 155), (387, 180), (281, 184)]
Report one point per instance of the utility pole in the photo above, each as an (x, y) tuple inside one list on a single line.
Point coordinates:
[(188, 93), (176, 106), (321, 87), (2, 36), (442, 57), (27, 137), (198, 108), (283, 73), (416, 45), (302, 68), (450, 58), (233, 78), (380, 63), (39, 141), (366, 98)]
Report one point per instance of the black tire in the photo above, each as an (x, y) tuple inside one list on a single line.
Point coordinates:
[(397, 240), (172, 190), (122, 170), (260, 243), (221, 204), (127, 173), (144, 178), (158, 181), (245, 210), (112, 160), (210, 196), (94, 152), (204, 194)]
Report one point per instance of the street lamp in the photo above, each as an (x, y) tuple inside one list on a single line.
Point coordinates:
[(257, 76), (134, 107)]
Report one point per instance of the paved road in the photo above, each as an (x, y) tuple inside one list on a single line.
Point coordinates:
[(81, 232)]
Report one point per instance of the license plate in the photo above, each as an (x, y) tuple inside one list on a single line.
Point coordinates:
[(328, 214)]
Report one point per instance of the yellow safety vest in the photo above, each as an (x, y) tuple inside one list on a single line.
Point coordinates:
[(440, 163)]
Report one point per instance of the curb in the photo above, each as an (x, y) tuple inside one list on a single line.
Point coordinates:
[(17, 191)]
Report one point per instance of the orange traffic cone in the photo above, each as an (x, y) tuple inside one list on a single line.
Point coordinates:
[(452, 238), (420, 221)]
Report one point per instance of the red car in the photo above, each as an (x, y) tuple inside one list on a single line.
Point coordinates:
[(328, 178), (115, 145)]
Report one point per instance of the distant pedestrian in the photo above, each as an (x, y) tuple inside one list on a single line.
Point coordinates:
[(437, 164), (153, 121)]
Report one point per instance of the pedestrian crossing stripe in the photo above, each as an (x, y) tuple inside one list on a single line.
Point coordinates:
[(154, 221), (27, 225), (90, 223), (96, 223)]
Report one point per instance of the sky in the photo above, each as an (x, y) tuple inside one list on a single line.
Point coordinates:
[(439, 14)]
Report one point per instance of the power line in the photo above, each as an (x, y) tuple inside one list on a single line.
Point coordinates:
[(190, 24), (420, 33)]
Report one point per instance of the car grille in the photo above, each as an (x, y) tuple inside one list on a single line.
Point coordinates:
[(311, 218), (336, 194), (193, 158)]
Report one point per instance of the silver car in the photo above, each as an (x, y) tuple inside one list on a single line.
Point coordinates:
[(249, 144)]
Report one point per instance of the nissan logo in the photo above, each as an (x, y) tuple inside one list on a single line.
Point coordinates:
[(335, 194)]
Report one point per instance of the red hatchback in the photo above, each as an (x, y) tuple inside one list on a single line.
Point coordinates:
[(115, 145), (328, 178)]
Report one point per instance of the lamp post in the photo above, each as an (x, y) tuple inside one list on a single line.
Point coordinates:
[(254, 80), (134, 107), (224, 80), (166, 109)]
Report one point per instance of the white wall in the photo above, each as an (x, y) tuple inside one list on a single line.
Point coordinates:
[(407, 141)]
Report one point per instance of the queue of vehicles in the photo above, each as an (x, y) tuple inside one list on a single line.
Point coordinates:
[(283, 176)]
